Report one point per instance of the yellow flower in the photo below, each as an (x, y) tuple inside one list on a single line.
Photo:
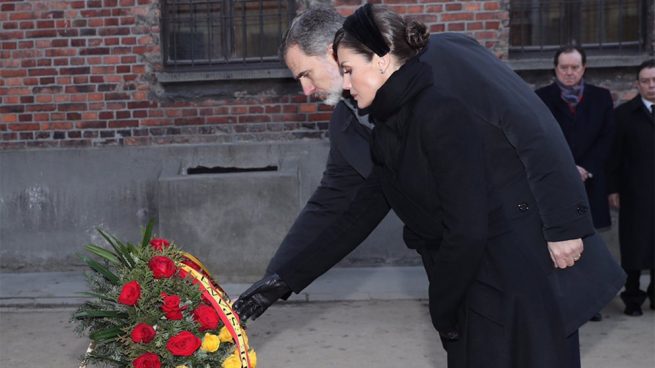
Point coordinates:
[(210, 343), (232, 361), (224, 335), (182, 366), (252, 356)]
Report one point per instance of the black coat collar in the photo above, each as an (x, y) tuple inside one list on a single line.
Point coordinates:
[(413, 77)]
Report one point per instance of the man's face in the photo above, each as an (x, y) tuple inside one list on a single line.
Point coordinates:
[(646, 84), (569, 69), (318, 75)]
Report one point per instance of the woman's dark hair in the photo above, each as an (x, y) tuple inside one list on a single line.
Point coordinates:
[(404, 38)]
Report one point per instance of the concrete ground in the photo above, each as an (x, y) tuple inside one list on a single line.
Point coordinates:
[(348, 318)]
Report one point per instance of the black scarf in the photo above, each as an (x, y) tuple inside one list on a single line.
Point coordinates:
[(391, 110)]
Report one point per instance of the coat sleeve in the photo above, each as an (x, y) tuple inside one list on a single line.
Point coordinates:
[(453, 144), (311, 235), (330, 235), (554, 181)]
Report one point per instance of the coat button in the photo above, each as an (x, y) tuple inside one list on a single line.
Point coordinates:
[(582, 210), (523, 207)]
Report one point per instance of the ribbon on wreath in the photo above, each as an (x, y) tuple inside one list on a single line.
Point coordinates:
[(221, 303)]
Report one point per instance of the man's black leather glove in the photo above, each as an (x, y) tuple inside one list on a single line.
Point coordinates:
[(261, 295)]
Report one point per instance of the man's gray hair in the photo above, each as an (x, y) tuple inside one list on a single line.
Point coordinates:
[(313, 31)]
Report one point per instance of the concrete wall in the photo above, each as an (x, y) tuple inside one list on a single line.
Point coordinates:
[(51, 202)]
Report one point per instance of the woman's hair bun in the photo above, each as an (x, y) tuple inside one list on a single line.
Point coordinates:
[(417, 34)]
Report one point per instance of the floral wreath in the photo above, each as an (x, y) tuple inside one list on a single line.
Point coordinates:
[(154, 305)]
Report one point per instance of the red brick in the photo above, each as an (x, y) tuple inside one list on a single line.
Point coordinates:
[(10, 25), (25, 117), (44, 98), (56, 126), (487, 16), (307, 107), (75, 70), (21, 16), (449, 17), (45, 24), (9, 118), (154, 122), (473, 26), (116, 96), (455, 27), (71, 107), (89, 115), (123, 124), (122, 114), (7, 73), (41, 72), (320, 117), (21, 127), (73, 116), (91, 125), (491, 5), (189, 121), (41, 33)]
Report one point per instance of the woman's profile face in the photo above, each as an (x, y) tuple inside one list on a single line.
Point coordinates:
[(361, 77)]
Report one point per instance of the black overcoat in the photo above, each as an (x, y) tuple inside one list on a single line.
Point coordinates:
[(589, 133), (632, 172), (349, 163), (542, 199)]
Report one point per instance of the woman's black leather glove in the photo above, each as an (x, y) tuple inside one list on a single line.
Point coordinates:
[(261, 295)]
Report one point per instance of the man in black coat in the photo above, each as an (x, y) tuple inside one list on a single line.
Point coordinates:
[(586, 115), (323, 234), (632, 187)]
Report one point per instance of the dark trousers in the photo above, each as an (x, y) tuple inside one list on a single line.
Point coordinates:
[(633, 294)]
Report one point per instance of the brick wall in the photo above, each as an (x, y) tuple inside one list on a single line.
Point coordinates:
[(81, 73)]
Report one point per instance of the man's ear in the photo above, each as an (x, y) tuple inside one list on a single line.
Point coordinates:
[(329, 52)]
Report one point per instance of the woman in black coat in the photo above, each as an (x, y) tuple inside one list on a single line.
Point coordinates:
[(454, 177), (480, 174)]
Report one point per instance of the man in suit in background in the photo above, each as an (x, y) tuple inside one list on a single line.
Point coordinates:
[(585, 114), (632, 187)]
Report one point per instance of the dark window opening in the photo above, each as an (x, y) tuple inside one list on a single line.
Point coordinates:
[(207, 34), (227, 170), (600, 26)]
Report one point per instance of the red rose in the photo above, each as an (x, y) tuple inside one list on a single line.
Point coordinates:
[(171, 307), (130, 293), (183, 344), (143, 332), (162, 267), (159, 243), (207, 317), (147, 360)]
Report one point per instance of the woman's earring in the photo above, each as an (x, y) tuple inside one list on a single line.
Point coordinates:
[(381, 71)]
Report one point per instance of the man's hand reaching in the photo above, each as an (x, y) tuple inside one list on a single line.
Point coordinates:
[(261, 295)]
